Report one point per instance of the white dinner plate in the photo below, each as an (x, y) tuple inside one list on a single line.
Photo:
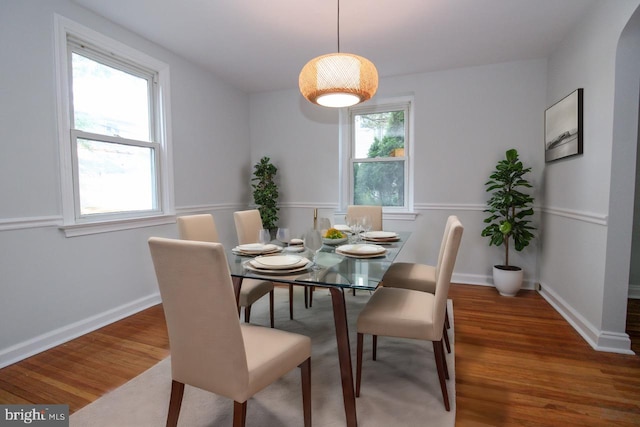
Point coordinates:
[(301, 266), (257, 248), (276, 262), (342, 227), (361, 250), (380, 235)]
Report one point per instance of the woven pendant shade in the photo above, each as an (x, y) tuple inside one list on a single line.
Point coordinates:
[(338, 80)]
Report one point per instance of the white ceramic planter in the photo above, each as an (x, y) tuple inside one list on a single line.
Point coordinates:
[(507, 282)]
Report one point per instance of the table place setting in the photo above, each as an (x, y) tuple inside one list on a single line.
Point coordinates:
[(278, 264), (255, 249), (381, 237), (361, 250)]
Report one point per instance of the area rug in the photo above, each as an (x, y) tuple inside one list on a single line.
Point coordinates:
[(400, 388)]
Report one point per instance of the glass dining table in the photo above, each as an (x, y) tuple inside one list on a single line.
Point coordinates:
[(337, 273)]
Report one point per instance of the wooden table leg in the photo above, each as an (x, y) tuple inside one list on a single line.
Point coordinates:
[(237, 284), (344, 355)]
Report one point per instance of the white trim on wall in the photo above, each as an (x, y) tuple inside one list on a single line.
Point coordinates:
[(592, 218), (612, 342), (59, 336), (30, 222)]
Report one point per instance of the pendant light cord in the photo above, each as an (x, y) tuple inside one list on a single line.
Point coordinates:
[(338, 26)]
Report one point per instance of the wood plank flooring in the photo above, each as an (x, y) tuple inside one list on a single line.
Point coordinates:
[(518, 363)]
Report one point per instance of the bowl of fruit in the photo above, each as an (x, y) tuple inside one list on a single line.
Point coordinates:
[(334, 237)]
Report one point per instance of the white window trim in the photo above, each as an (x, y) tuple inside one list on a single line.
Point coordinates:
[(345, 134), (71, 226)]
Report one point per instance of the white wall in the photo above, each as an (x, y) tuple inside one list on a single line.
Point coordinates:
[(465, 120), (578, 219), (53, 288)]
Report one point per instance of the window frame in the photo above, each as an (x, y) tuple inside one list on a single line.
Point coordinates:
[(347, 150), (68, 36)]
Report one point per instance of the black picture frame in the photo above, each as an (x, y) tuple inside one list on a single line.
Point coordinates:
[(563, 133)]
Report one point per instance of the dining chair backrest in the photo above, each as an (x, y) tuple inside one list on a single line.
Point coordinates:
[(248, 224), (445, 272), (373, 212), (207, 348), (200, 227), (447, 227)]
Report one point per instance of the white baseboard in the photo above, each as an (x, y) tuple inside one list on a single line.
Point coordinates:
[(634, 291), (59, 336), (483, 280), (612, 342)]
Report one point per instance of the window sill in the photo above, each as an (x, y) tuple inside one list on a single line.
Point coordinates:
[(391, 216), (74, 230)]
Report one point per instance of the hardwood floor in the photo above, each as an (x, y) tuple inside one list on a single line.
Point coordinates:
[(518, 363)]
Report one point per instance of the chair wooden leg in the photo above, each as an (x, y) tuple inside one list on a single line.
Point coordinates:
[(445, 335), (444, 362), (313, 288), (375, 346), (354, 292), (291, 302), (271, 298), (247, 314), (305, 373), (359, 346), (175, 402), (446, 318), (239, 414), (306, 297), (438, 352)]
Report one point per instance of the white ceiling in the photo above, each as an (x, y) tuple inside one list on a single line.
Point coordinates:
[(261, 45)]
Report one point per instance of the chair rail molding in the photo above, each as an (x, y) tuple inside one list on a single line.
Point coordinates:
[(30, 222), (590, 217)]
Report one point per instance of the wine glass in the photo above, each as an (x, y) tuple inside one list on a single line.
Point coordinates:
[(366, 224), (313, 242), (264, 236), (323, 225), (283, 235)]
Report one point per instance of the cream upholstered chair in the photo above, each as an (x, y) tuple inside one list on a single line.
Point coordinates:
[(203, 228), (373, 212), (416, 276), (419, 277), (248, 224), (407, 313), (210, 348)]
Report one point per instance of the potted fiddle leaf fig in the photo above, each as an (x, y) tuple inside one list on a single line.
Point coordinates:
[(265, 192), (508, 224)]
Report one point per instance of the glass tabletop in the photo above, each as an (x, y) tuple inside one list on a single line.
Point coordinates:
[(333, 268)]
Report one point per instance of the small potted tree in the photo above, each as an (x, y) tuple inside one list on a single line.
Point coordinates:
[(508, 209), (265, 192)]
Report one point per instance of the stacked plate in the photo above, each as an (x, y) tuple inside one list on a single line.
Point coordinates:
[(278, 264), (255, 249), (361, 250), (380, 236)]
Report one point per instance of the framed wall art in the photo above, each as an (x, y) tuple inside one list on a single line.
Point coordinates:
[(563, 127)]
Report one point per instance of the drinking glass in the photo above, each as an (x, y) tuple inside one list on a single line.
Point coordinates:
[(264, 236), (313, 242), (283, 235), (323, 225), (366, 224)]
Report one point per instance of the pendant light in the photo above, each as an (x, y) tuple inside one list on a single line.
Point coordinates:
[(338, 79)]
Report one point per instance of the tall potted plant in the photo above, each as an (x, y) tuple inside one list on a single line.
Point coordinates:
[(509, 209), (265, 192)]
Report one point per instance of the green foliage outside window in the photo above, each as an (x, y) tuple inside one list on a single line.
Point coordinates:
[(382, 182)]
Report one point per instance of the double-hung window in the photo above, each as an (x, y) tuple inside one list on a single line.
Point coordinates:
[(113, 131), (378, 171)]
